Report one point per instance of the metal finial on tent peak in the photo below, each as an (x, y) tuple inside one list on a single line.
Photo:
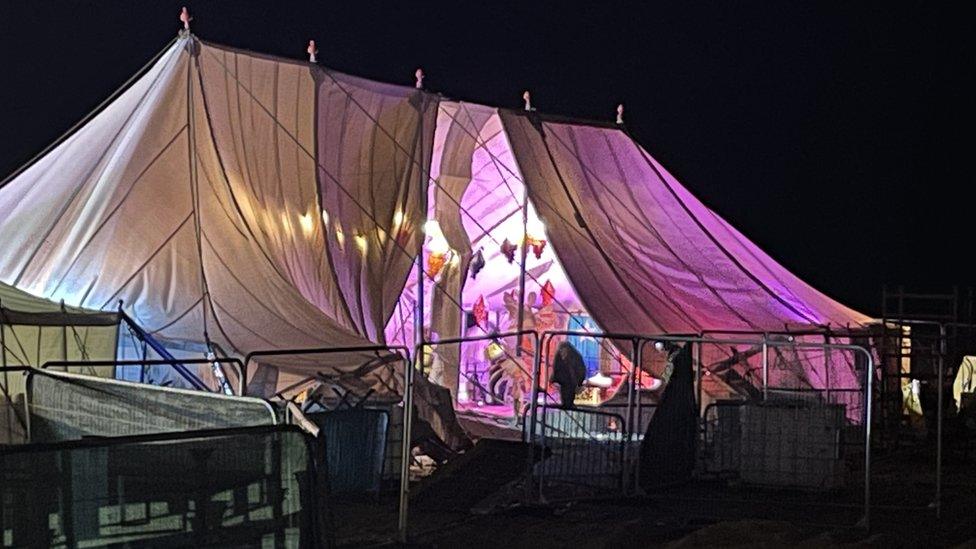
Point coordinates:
[(186, 18), (420, 79), (527, 97), (620, 113), (312, 50)]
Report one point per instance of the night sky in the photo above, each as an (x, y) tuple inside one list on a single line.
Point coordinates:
[(836, 135)]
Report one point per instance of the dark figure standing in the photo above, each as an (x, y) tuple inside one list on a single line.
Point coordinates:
[(569, 371), (667, 454)]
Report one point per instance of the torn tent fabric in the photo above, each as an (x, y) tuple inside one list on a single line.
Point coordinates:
[(243, 202), (233, 199)]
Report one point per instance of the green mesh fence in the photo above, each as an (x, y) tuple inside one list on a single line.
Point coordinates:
[(252, 486)]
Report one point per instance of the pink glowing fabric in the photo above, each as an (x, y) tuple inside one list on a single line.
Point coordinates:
[(645, 255), (261, 203)]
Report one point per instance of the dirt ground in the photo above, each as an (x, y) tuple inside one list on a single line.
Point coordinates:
[(700, 514)]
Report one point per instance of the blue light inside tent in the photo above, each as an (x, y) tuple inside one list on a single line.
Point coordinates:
[(587, 346)]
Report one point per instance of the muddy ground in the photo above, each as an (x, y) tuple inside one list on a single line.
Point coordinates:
[(464, 506)]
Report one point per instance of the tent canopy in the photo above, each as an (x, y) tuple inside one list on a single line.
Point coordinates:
[(252, 202)]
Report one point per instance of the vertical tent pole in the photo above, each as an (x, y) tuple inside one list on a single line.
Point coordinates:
[(410, 370), (523, 255), (639, 373), (628, 433), (868, 380), (698, 350), (530, 423), (6, 379), (64, 333), (827, 366), (765, 367), (142, 368), (938, 427)]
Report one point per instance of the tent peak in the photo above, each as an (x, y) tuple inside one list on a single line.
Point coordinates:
[(620, 113), (420, 79)]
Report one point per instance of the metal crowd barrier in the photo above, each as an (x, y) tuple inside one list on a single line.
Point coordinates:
[(634, 404), (241, 486)]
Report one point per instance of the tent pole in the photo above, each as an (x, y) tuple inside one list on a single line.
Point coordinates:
[(64, 332), (6, 379), (523, 254), (827, 366), (410, 369), (938, 428), (699, 352), (636, 374), (765, 367)]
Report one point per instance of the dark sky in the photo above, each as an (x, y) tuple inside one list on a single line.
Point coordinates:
[(837, 135)]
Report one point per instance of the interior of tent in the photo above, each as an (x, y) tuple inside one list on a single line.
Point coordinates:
[(230, 202)]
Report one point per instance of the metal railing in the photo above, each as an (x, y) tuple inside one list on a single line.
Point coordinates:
[(638, 341), (629, 423), (407, 400), (176, 364), (183, 488), (585, 452)]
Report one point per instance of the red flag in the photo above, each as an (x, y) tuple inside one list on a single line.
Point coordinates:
[(548, 293), (480, 312)]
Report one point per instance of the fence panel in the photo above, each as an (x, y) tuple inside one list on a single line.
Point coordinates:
[(583, 453), (249, 486)]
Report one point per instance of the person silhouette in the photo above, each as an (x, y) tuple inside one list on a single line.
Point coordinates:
[(569, 371)]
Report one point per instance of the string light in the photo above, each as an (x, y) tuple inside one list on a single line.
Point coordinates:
[(361, 243), (535, 233), (305, 221), (437, 247)]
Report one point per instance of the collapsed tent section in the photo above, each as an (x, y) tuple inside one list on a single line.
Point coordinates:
[(231, 202)]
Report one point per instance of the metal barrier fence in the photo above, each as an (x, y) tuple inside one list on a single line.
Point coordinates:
[(244, 486), (730, 431), (177, 364), (395, 453), (607, 442), (584, 453)]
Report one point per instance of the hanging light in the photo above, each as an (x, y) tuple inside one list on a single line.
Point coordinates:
[(437, 248), (535, 237), (305, 222), (361, 243), (477, 263), (495, 351), (435, 262), (340, 237), (508, 250)]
